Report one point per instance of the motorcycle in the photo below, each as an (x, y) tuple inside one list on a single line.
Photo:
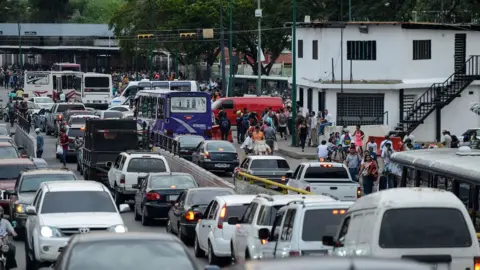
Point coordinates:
[(4, 248)]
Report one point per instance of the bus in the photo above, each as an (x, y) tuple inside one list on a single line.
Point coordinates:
[(133, 87), (174, 113), (97, 90), (52, 83), (66, 67), (452, 169), (271, 85), (38, 83)]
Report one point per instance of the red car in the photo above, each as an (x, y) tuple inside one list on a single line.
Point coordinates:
[(9, 171)]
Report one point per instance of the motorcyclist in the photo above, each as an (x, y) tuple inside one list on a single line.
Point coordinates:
[(7, 226)]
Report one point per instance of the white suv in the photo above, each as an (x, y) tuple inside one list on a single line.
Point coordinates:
[(213, 233), (128, 168), (299, 228), (245, 243), (65, 208)]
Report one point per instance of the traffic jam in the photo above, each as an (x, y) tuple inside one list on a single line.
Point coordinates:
[(315, 213)]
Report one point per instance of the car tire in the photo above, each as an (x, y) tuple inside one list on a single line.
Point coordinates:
[(181, 235), (146, 221), (212, 259), (118, 198), (136, 216), (199, 253), (168, 227), (233, 259)]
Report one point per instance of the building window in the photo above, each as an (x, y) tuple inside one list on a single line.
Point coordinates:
[(362, 50), (422, 49), (300, 48), (315, 49)]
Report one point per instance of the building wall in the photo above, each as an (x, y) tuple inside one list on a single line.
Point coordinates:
[(394, 47)]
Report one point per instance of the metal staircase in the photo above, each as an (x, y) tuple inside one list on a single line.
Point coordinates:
[(440, 95)]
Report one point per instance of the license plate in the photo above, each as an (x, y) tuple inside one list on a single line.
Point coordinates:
[(222, 165), (173, 197)]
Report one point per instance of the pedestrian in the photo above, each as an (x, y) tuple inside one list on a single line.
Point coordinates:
[(322, 151), (359, 135), (224, 126), (447, 139), (346, 140), (302, 134), (64, 143), (282, 123), (368, 171), (353, 161), (270, 137), (386, 155), (240, 128), (40, 143), (312, 122)]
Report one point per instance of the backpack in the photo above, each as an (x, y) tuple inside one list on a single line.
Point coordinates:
[(245, 123), (282, 119), (225, 124), (347, 139)]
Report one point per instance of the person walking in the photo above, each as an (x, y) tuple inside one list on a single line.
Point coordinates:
[(270, 137), (225, 126), (369, 172), (302, 134), (40, 143), (353, 161), (64, 143)]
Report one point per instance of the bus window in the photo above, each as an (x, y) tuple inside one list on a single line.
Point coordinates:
[(152, 104), (161, 108), (464, 194), (38, 79), (424, 179), (188, 104), (181, 86), (410, 177), (54, 82)]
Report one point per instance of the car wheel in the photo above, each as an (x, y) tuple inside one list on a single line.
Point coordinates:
[(168, 228), (212, 259), (232, 254), (199, 253), (146, 221), (182, 235), (136, 216), (118, 198), (28, 261)]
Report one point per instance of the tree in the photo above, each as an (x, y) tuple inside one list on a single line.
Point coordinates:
[(46, 11), (93, 11)]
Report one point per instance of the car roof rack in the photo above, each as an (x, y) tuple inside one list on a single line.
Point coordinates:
[(265, 196)]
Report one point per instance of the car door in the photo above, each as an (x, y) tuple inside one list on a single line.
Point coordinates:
[(196, 154), (269, 247), (32, 220), (177, 210), (293, 181), (206, 225), (139, 196), (246, 227), (282, 248), (113, 169)]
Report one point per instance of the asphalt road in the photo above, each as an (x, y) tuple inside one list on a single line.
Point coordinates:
[(134, 226)]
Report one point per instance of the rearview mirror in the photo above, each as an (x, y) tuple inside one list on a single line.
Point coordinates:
[(109, 164), (123, 208), (328, 241), (233, 221), (263, 234), (30, 210)]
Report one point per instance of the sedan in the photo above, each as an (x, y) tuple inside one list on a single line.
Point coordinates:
[(188, 144), (157, 192), (216, 156), (184, 214), (8, 151)]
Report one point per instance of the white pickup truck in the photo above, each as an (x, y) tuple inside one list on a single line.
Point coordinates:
[(325, 178)]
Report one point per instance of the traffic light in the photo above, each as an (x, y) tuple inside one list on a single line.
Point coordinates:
[(188, 36), (145, 36)]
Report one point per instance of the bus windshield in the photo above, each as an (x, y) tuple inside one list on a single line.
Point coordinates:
[(188, 105), (97, 84)]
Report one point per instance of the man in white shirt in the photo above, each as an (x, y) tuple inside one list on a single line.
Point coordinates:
[(447, 139), (383, 144), (327, 121), (409, 137), (322, 151), (312, 123)]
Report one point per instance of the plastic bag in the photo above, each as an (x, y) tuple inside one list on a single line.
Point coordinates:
[(275, 146), (59, 150)]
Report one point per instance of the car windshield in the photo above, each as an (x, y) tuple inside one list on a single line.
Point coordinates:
[(32, 106), (146, 165), (172, 181), (65, 107), (424, 228), (75, 132), (221, 146), (321, 222), (313, 174), (4, 131), (31, 183), (270, 164), (7, 152), (199, 197), (112, 114), (190, 141), (11, 171), (43, 100), (142, 255), (78, 121), (77, 202)]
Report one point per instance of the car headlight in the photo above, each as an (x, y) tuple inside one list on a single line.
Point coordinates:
[(20, 208), (118, 229), (46, 231)]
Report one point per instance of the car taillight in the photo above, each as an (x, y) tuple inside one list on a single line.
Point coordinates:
[(152, 196), (221, 217), (122, 179), (295, 253), (307, 188), (476, 263), (359, 194), (191, 215), (59, 117), (207, 155)]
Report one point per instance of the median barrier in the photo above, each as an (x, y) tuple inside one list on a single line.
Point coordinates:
[(23, 139)]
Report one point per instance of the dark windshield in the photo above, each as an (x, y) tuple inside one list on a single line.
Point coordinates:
[(142, 255), (146, 165), (75, 132), (319, 173), (11, 171), (65, 107), (8, 152), (31, 183), (424, 228), (205, 196), (97, 82), (221, 146), (172, 181), (112, 114), (270, 164), (267, 216), (321, 222), (190, 141), (4, 131), (236, 210), (78, 121), (77, 202)]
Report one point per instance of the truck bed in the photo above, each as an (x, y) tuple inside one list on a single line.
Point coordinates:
[(341, 190)]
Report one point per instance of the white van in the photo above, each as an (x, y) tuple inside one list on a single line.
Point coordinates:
[(422, 224)]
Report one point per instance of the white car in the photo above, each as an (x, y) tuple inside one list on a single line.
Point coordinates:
[(213, 233), (63, 209), (245, 243), (43, 102), (119, 108)]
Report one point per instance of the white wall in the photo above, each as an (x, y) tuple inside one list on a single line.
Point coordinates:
[(394, 53), (456, 117)]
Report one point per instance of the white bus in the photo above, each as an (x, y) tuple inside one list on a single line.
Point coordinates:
[(97, 89), (66, 67), (133, 87), (51, 83), (38, 83)]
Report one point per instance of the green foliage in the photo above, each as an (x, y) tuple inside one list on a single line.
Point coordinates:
[(46, 11), (93, 11)]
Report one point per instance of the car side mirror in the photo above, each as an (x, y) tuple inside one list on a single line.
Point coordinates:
[(233, 221), (109, 164), (136, 186), (263, 234), (30, 210), (328, 241), (289, 175), (123, 208)]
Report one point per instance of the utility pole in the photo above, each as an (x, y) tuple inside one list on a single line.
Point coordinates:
[(230, 49), (222, 50), (349, 10), (258, 14), (150, 56), (294, 68)]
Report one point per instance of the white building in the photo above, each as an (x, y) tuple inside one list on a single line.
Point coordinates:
[(387, 67)]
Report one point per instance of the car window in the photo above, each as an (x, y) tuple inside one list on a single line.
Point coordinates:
[(220, 146), (8, 152), (321, 222), (76, 202), (203, 197), (267, 215), (11, 171), (172, 181), (31, 183), (75, 132), (213, 210), (269, 164), (117, 161), (287, 227), (190, 141), (65, 107), (146, 165), (227, 104), (319, 173), (251, 215), (343, 230), (276, 226), (295, 174), (78, 121)]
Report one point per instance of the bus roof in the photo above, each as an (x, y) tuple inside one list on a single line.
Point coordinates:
[(458, 163)]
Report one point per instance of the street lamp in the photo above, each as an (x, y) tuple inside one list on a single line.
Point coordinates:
[(294, 68)]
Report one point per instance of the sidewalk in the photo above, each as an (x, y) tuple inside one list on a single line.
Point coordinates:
[(285, 148)]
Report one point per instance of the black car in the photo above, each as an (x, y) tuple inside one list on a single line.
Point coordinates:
[(184, 214), (157, 192), (216, 156), (145, 250), (188, 144)]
